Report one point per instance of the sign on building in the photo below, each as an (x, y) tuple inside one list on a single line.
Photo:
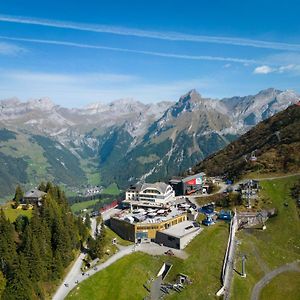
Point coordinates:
[(195, 181)]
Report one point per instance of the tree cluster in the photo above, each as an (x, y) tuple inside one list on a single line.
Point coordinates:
[(230, 200), (36, 251), (295, 192), (96, 245)]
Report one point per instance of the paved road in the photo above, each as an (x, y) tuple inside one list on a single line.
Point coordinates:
[(75, 275), (155, 249), (235, 186), (75, 272), (294, 266), (275, 177)]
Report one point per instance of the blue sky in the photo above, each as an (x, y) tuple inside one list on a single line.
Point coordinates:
[(78, 52)]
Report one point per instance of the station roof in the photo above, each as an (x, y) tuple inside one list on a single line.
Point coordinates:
[(181, 229), (160, 186), (193, 177)]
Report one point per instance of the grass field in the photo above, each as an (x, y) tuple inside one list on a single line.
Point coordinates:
[(122, 280), (112, 189), (125, 279), (91, 171), (76, 207), (269, 249), (110, 235), (12, 213), (284, 286)]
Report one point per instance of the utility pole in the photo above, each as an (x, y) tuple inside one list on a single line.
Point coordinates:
[(249, 193), (244, 257)]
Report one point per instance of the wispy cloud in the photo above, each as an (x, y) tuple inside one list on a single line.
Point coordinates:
[(171, 36), (152, 53), (75, 90), (10, 49), (265, 69), (65, 78)]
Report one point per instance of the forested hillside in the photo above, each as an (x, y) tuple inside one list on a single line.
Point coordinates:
[(35, 252), (271, 146)]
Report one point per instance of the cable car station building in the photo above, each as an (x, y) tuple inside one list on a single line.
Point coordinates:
[(151, 209), (188, 185)]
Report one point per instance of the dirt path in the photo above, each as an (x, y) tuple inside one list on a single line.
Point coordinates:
[(277, 177), (294, 266)]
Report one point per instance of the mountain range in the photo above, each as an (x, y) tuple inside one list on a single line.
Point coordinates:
[(124, 141)]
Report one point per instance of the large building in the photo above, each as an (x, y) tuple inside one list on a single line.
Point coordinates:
[(188, 185), (179, 235), (143, 224), (149, 195)]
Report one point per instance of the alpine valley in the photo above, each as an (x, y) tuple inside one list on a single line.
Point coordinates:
[(124, 141)]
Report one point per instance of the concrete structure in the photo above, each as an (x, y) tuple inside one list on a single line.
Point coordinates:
[(34, 196), (143, 224), (179, 235), (227, 269), (188, 185), (149, 195), (129, 228)]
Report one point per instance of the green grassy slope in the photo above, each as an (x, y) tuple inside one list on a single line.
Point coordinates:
[(277, 245), (125, 279), (284, 286), (12, 213)]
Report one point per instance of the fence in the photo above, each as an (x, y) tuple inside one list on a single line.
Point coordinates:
[(229, 256)]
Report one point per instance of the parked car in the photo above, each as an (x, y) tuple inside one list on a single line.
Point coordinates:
[(169, 252)]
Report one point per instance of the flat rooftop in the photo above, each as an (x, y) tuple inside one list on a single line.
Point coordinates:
[(181, 229), (152, 215)]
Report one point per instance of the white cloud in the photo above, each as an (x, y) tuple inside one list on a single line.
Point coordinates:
[(172, 36), (152, 53), (263, 70), (226, 66), (287, 68), (291, 68), (10, 49)]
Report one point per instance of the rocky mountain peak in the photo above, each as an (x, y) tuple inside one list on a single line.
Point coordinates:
[(44, 104), (186, 102)]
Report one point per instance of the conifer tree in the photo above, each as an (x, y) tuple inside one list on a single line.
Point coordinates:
[(87, 221), (18, 195), (2, 284), (42, 186), (20, 223), (7, 244), (18, 285), (34, 251)]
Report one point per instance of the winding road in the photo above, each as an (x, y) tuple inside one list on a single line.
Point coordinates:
[(74, 274), (294, 266)]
